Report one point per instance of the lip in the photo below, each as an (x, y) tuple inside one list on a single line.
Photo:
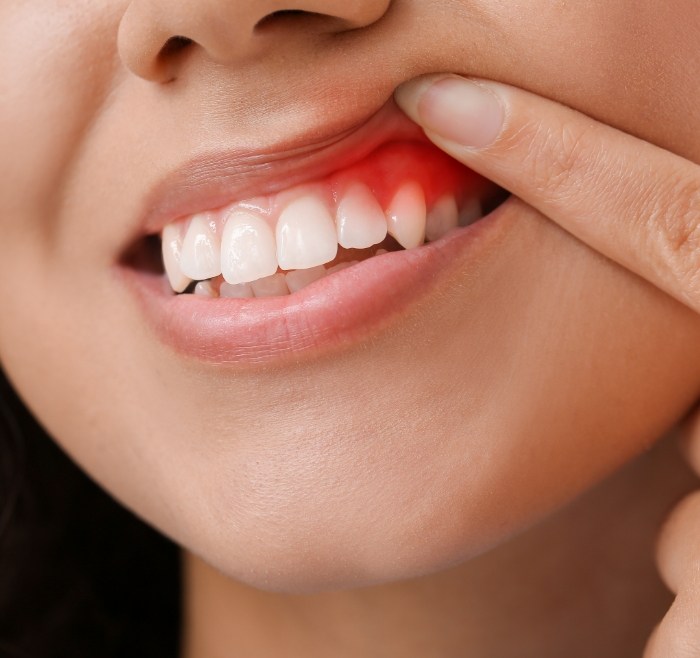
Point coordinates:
[(341, 309), (218, 178)]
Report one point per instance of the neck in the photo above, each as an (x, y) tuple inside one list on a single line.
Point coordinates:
[(585, 577)]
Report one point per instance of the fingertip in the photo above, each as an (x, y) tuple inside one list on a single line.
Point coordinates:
[(678, 543), (409, 94), (460, 111)]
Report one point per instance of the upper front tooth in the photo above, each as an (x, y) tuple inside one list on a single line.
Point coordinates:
[(201, 257), (306, 234), (248, 250), (360, 219), (443, 217), (172, 251), (406, 215)]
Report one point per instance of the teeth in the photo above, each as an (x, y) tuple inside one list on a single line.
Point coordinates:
[(172, 249), (341, 266), (205, 289), (443, 217), (406, 216), (299, 279), (248, 250), (306, 235), (236, 291), (270, 286), (360, 219), (471, 211), (200, 258)]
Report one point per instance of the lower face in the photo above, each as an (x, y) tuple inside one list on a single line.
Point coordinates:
[(513, 368)]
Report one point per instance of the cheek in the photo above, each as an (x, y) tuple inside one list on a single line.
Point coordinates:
[(49, 95)]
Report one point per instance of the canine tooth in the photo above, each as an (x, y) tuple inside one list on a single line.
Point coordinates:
[(248, 250), (306, 235), (360, 219), (201, 258), (171, 238), (236, 291), (443, 217), (298, 279), (205, 289), (471, 211), (271, 286), (406, 216)]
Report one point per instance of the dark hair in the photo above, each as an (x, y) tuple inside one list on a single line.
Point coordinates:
[(79, 575)]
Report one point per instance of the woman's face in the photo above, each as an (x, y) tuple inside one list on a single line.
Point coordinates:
[(505, 379)]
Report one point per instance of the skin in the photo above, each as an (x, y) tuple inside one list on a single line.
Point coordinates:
[(540, 369), (676, 555)]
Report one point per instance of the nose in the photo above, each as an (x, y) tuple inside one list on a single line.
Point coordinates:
[(155, 36)]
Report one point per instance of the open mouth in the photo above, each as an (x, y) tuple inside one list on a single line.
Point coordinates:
[(401, 196), (326, 260)]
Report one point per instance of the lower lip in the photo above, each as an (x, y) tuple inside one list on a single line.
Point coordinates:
[(333, 313)]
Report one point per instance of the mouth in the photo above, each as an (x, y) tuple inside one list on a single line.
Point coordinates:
[(316, 255)]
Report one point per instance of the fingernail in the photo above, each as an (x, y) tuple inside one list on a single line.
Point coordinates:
[(454, 108)]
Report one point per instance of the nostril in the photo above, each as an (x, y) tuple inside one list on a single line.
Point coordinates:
[(283, 17), (174, 46)]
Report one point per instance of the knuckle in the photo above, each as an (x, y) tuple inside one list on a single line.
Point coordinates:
[(555, 155)]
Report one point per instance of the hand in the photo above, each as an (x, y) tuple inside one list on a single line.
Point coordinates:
[(678, 558), (630, 200)]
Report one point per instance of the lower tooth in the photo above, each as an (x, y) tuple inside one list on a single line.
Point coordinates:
[(270, 286), (471, 211), (236, 291), (205, 289), (341, 266), (298, 279)]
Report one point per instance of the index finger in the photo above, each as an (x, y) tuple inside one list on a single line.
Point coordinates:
[(630, 200)]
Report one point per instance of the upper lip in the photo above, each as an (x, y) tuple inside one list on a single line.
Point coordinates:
[(216, 179)]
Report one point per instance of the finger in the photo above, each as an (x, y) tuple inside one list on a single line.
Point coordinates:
[(632, 201), (678, 634), (678, 546), (690, 440)]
